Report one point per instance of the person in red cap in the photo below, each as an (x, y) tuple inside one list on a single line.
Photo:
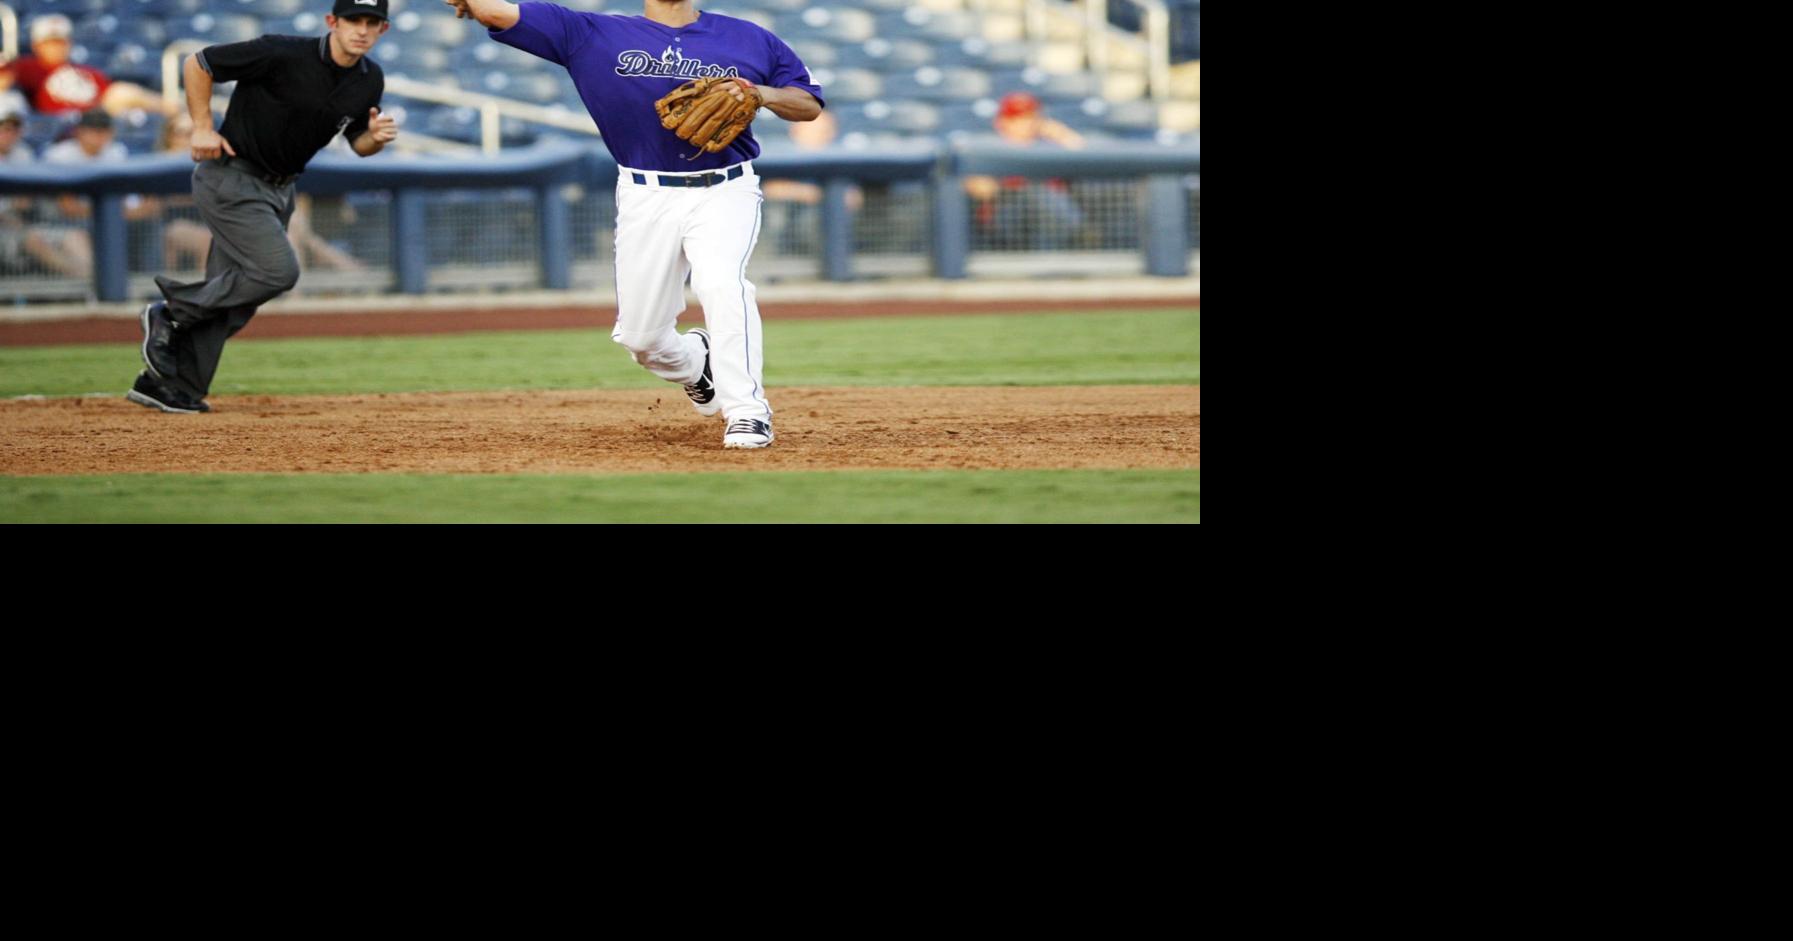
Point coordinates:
[(54, 85), (1018, 213)]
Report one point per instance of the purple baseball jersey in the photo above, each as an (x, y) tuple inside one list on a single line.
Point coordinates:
[(623, 64)]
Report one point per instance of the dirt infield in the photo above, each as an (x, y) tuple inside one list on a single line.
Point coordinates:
[(413, 322), (609, 432)]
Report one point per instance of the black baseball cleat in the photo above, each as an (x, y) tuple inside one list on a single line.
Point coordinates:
[(153, 394), (703, 391), (158, 340)]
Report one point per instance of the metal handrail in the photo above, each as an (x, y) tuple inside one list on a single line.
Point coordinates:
[(492, 108), (171, 68), (9, 33)]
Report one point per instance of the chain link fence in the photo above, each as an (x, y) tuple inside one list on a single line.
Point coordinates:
[(490, 240)]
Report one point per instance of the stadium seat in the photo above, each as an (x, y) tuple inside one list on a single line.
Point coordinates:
[(849, 84), (1131, 116), (926, 66), (908, 117), (446, 31), (835, 24), (73, 9), (973, 117), (270, 8), (302, 24), (890, 55), (131, 62), (159, 8), (933, 84), (817, 55), (761, 18)]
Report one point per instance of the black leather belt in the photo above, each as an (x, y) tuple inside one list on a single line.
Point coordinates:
[(243, 166), (704, 179)]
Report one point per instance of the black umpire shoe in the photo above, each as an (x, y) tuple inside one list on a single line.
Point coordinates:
[(152, 394), (158, 340), (703, 391)]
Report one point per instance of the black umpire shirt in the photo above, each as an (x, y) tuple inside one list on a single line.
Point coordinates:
[(291, 98)]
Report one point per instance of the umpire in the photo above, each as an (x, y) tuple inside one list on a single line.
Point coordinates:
[(294, 95)]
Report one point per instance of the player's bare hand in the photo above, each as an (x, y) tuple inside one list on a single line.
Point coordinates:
[(381, 127), (208, 144), (460, 9), (736, 90)]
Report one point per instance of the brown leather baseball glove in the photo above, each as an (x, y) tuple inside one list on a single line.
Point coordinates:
[(705, 113)]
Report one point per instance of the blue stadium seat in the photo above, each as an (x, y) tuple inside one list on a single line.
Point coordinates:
[(850, 84), (816, 55), (1131, 116), (411, 57), (160, 8), (535, 89), (1069, 85), (839, 25), (272, 8), (934, 84), (978, 52), (302, 24), (908, 117), (206, 27), (968, 117), (140, 132), (458, 124), (497, 56), (73, 9), (889, 54), (444, 30), (926, 71), (131, 60), (763, 18), (98, 32)]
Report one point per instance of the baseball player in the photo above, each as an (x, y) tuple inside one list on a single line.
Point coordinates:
[(294, 95), (683, 209)]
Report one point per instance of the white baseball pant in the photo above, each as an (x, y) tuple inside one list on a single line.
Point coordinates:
[(666, 233)]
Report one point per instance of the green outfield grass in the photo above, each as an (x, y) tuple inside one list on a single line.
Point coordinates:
[(832, 497), (1111, 347)]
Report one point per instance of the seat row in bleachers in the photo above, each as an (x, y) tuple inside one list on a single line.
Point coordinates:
[(886, 66)]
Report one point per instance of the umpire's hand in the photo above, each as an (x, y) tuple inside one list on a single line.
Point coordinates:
[(208, 144), (381, 127)]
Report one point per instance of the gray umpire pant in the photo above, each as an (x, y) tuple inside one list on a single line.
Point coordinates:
[(251, 262)]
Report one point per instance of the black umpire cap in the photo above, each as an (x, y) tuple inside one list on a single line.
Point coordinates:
[(360, 8)]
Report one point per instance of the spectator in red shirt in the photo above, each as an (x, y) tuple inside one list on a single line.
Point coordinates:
[(54, 85), (1018, 213)]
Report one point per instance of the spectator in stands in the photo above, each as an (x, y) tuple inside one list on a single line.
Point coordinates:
[(1018, 213), (54, 85), (13, 148), (14, 211), (61, 243)]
